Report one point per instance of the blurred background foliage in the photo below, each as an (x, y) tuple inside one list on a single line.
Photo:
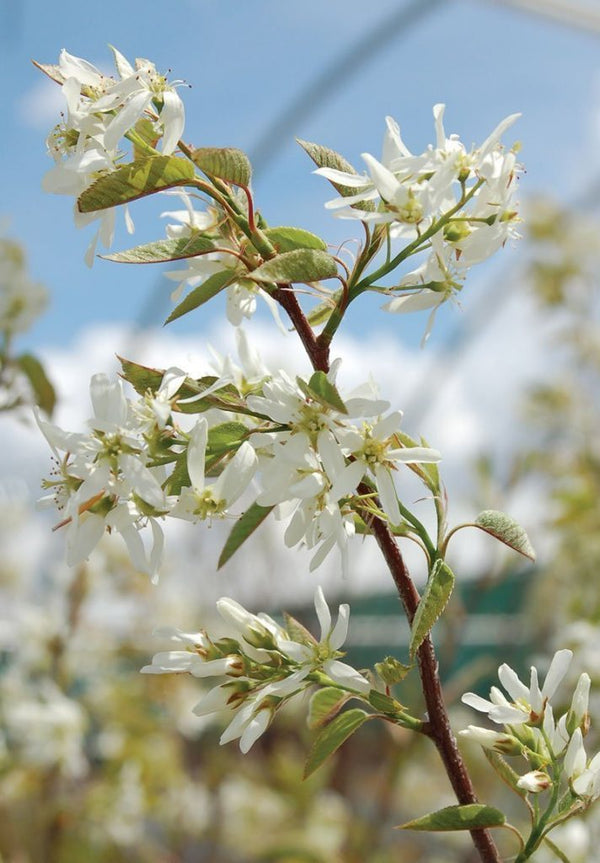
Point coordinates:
[(101, 764)]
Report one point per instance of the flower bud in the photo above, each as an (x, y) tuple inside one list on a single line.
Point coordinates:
[(578, 716), (246, 624), (391, 670), (535, 781), (506, 744)]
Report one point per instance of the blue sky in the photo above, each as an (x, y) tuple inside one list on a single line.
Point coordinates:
[(246, 61)]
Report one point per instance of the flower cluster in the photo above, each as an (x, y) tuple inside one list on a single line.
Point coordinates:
[(553, 748), (138, 104), (315, 457), (264, 665), (456, 204)]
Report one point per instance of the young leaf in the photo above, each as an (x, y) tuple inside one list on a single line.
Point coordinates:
[(297, 631), (471, 816), (209, 288), (225, 163), (299, 265), (52, 71), (43, 391), (325, 704), (332, 737), (323, 157), (242, 529), (320, 389), (163, 250), (437, 593), (507, 530), (225, 436), (287, 239), (143, 378), (384, 703), (392, 671), (179, 477), (321, 312), (135, 180)]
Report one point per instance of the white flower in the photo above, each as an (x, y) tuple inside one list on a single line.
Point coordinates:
[(323, 655), (103, 482), (528, 703), (584, 778), (141, 91), (201, 501), (375, 449)]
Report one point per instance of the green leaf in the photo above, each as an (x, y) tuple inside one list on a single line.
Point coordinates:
[(471, 816), (225, 436), (323, 157), (324, 705), (209, 288), (146, 138), (392, 671), (299, 265), (43, 391), (320, 389), (321, 312), (163, 250), (384, 703), (225, 163), (298, 632), (435, 597), (242, 529), (332, 737), (135, 180), (143, 378), (287, 239), (179, 477), (507, 530)]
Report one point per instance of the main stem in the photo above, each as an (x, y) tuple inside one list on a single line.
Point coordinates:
[(438, 725)]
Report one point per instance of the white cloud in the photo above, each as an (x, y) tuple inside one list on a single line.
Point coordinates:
[(40, 106)]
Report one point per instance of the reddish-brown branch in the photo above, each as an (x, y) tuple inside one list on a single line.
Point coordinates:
[(317, 353), (438, 725)]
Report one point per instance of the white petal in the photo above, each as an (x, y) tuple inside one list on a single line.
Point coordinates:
[(424, 299), (512, 683), (172, 117), (323, 613), (257, 726), (236, 476), (558, 668), (386, 182), (345, 675), (83, 537), (196, 454), (340, 630), (387, 493), (126, 118), (110, 404)]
